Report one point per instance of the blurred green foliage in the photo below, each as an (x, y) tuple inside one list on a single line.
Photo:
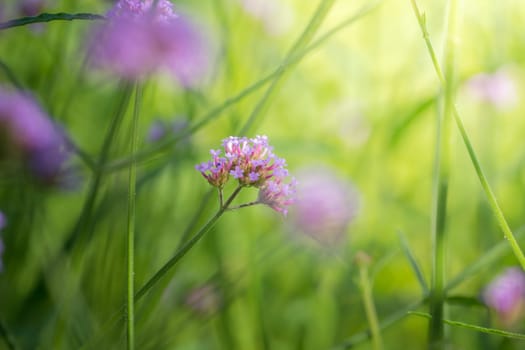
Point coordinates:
[(364, 103)]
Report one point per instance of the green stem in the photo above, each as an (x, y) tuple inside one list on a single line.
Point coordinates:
[(476, 328), (186, 247), (48, 17), (244, 205), (10, 75), (370, 309), (436, 332), (130, 237), (8, 338), (99, 172), (496, 210)]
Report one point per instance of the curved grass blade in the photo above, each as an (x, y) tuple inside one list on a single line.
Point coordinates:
[(11, 77), (487, 259), (409, 118), (388, 321), (48, 17), (465, 301), (413, 263), (494, 331), (7, 336), (496, 210)]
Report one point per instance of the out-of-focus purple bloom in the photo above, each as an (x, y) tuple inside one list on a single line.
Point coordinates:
[(253, 164), (204, 300), (497, 89), (156, 131), (30, 138), (506, 295), (160, 129), (3, 221), (137, 41), (31, 7), (325, 205)]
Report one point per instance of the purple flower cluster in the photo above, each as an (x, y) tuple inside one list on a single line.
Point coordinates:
[(137, 40), (506, 295), (30, 138), (252, 163)]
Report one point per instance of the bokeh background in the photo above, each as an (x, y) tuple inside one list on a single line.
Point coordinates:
[(361, 107)]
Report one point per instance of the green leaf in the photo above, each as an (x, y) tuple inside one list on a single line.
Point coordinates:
[(480, 329)]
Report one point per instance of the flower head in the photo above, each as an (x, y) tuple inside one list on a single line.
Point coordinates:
[(137, 40), (30, 138), (506, 295), (277, 194), (252, 163), (325, 205)]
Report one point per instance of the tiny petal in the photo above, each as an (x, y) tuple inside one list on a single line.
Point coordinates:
[(202, 167), (237, 173)]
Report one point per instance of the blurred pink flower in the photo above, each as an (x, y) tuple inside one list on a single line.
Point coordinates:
[(136, 41), (160, 129), (325, 205), (506, 295), (204, 300), (30, 137), (497, 89), (31, 7)]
